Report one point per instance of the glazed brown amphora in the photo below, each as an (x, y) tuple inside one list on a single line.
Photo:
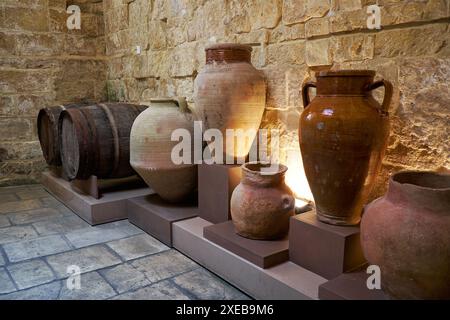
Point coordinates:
[(343, 135), (407, 234), (262, 203), (230, 93)]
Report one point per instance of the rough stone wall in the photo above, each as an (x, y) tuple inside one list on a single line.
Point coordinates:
[(292, 38), (43, 64)]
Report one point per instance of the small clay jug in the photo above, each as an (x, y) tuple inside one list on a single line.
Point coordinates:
[(343, 134), (151, 148), (262, 203), (229, 93), (407, 234)]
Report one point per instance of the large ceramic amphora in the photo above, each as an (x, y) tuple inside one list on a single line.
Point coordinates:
[(151, 148), (343, 135), (407, 234), (230, 94), (262, 203)]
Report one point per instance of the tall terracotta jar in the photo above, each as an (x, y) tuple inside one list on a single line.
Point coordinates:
[(151, 148), (262, 203), (407, 234), (230, 94), (343, 135)]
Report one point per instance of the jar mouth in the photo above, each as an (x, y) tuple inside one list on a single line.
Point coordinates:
[(346, 73), (423, 179), (164, 99), (229, 46), (258, 167)]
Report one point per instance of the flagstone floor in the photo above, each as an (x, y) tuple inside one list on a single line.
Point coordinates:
[(42, 242)]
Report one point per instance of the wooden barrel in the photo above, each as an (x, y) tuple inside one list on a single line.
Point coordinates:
[(95, 140), (47, 126)]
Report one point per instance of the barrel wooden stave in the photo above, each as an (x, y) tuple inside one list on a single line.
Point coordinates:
[(47, 126), (96, 140)]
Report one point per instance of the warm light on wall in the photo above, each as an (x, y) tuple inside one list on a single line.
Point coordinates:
[(295, 177)]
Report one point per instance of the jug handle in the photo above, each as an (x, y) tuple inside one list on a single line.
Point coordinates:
[(182, 103), (388, 90), (179, 101), (305, 92), (185, 108)]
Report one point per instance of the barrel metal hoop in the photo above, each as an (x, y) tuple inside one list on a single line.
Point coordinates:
[(115, 133), (92, 145), (75, 118), (54, 119)]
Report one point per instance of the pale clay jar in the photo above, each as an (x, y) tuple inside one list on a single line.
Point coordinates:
[(151, 148), (262, 204), (229, 93)]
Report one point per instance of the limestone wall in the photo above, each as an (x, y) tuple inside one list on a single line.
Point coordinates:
[(291, 38), (43, 64)]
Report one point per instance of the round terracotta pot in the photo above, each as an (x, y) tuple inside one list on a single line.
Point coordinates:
[(343, 134), (151, 148), (262, 203), (230, 93), (407, 234)]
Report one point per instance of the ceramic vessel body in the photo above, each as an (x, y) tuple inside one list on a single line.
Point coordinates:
[(151, 149), (230, 94), (262, 204), (407, 234), (343, 133)]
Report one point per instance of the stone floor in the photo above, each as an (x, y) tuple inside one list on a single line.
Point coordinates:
[(42, 241)]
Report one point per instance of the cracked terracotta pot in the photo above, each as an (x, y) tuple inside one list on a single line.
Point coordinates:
[(262, 203), (343, 135), (230, 94), (151, 148), (407, 234)]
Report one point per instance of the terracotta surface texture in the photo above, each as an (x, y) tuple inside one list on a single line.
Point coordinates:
[(151, 149), (406, 233), (262, 203), (230, 93)]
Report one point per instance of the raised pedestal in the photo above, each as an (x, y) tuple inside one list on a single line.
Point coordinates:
[(96, 187), (58, 171), (264, 254), (283, 281), (216, 183), (324, 249), (350, 286), (111, 206), (155, 216)]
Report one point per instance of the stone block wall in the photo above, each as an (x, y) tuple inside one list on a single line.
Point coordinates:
[(42, 63), (291, 39)]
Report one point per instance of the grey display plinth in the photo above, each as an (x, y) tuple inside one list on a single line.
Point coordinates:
[(155, 216), (283, 281), (324, 249), (216, 183), (111, 206), (350, 286), (264, 254)]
